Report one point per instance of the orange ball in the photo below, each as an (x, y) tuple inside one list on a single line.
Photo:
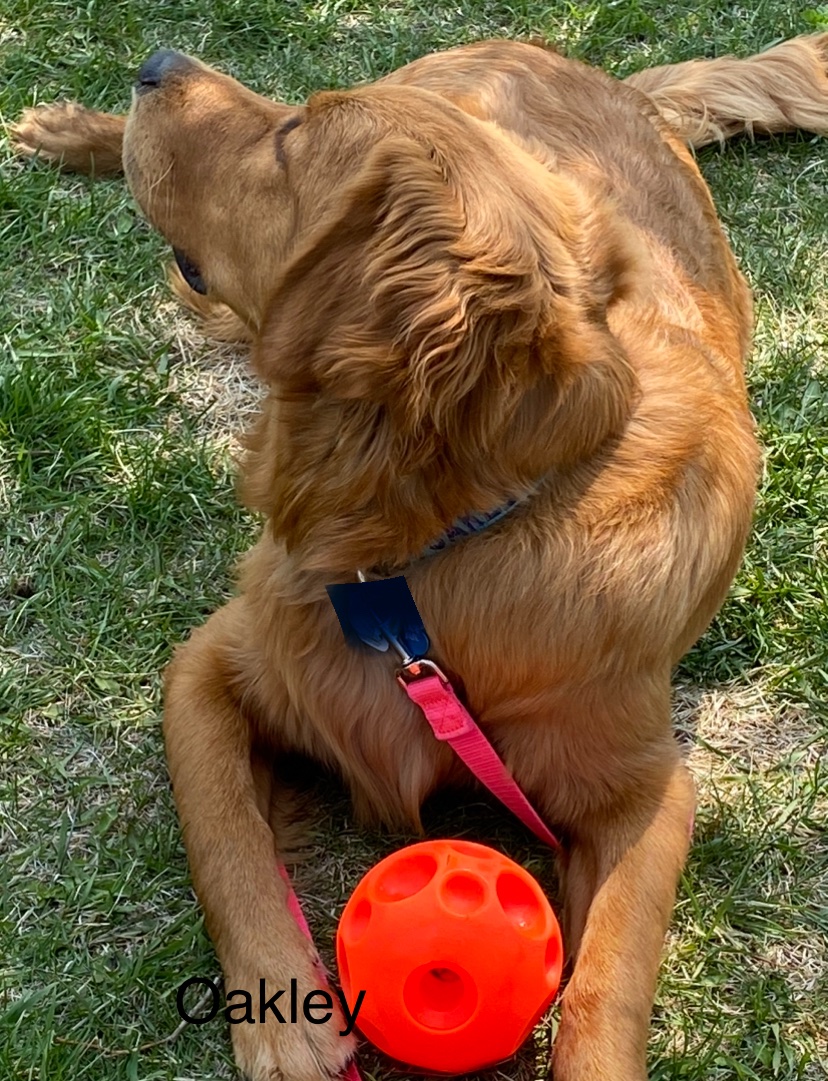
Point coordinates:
[(458, 952)]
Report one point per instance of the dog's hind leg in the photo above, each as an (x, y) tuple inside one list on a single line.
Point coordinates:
[(232, 851), (78, 139), (708, 101)]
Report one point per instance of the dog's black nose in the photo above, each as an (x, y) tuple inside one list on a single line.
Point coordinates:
[(161, 64)]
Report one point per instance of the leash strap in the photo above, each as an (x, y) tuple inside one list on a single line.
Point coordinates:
[(383, 615), (452, 723), (350, 1073)]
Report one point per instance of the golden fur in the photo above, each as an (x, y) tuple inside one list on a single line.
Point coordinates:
[(492, 268)]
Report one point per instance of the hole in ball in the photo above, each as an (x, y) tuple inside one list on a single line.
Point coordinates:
[(406, 876), (552, 959), (440, 996), (463, 893), (520, 903), (357, 923)]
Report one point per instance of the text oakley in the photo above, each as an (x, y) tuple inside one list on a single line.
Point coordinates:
[(317, 1007)]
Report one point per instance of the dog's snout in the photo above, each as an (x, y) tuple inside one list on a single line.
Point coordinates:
[(159, 66)]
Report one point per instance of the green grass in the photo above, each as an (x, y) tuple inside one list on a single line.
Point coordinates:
[(120, 531)]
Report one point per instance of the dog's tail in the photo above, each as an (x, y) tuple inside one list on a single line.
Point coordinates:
[(708, 101)]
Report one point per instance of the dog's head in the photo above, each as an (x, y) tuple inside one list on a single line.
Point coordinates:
[(430, 298)]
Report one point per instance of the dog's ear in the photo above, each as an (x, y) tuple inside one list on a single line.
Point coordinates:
[(438, 279)]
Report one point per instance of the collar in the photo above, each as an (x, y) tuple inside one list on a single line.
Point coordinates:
[(470, 524), (465, 526)]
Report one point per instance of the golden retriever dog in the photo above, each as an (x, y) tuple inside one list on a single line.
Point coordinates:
[(495, 274)]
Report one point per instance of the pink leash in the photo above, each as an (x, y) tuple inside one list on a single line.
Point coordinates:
[(451, 723), (350, 1073)]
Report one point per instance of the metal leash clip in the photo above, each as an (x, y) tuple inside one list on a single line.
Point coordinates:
[(414, 669)]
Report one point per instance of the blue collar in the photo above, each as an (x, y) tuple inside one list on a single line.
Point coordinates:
[(476, 522), (466, 526), (470, 524)]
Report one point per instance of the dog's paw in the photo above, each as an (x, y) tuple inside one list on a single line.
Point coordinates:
[(70, 135), (301, 1052), (279, 1042), (45, 130)]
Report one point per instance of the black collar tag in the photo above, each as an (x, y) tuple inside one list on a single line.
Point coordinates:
[(380, 614)]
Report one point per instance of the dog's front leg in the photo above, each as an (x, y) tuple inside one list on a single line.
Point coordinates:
[(232, 854), (620, 884)]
